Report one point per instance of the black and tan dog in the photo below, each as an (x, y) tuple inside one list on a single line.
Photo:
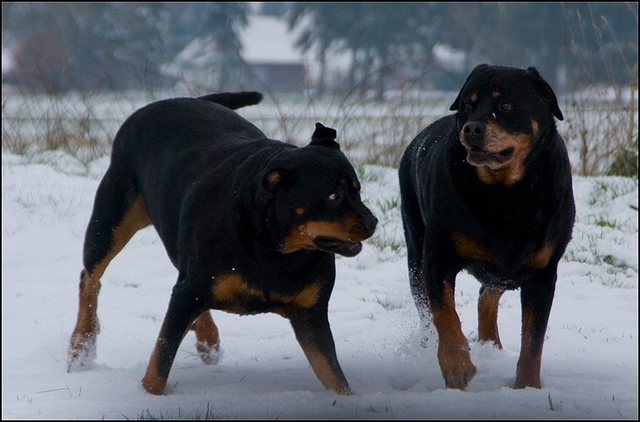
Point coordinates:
[(488, 189), (252, 225)]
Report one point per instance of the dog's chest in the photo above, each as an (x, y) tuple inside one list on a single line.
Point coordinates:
[(232, 293), (502, 264)]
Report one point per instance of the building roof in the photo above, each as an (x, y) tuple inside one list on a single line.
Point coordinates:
[(267, 39)]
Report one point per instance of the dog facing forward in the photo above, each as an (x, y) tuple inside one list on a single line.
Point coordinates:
[(488, 190), (252, 225)]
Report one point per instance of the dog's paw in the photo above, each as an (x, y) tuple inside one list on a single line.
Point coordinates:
[(81, 353), (209, 353), (456, 366), (460, 376)]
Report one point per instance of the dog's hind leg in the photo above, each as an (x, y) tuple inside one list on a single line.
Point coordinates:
[(488, 315), (207, 338), (118, 213), (414, 237)]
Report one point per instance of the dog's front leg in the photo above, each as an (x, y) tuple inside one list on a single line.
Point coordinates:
[(181, 313), (453, 348), (311, 327), (536, 297)]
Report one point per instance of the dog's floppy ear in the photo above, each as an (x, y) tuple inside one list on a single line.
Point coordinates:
[(270, 181), (324, 136), (475, 71), (277, 178), (545, 90)]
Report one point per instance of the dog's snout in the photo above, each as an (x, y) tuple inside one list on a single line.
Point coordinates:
[(474, 133), (369, 223)]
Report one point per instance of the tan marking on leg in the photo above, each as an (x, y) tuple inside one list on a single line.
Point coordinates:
[(470, 249), (541, 258), (323, 370), (306, 298), (87, 324), (152, 381), (529, 364), (488, 316), (136, 218), (83, 338), (207, 337), (453, 348)]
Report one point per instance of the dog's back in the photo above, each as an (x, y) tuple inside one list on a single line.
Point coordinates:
[(200, 121), (164, 149)]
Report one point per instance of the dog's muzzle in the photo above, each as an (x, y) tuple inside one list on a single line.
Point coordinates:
[(474, 138)]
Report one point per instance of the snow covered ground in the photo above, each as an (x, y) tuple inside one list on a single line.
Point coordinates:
[(590, 360)]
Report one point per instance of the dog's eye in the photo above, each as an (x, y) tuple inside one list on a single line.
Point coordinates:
[(334, 197), (468, 108), (506, 107)]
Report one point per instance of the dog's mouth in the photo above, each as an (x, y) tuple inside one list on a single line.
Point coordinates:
[(477, 156), (339, 246)]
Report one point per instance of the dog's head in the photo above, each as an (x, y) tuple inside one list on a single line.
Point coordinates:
[(310, 198), (501, 111)]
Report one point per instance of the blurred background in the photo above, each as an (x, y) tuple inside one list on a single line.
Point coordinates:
[(378, 72)]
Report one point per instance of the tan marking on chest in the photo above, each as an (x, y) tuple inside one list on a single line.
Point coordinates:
[(308, 297), (230, 291), (541, 258), (470, 249)]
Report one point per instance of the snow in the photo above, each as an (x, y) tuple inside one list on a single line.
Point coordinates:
[(590, 360)]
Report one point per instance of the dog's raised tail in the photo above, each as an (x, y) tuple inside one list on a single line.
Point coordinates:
[(234, 100)]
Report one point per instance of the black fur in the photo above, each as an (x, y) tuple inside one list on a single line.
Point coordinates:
[(502, 220), (252, 224)]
